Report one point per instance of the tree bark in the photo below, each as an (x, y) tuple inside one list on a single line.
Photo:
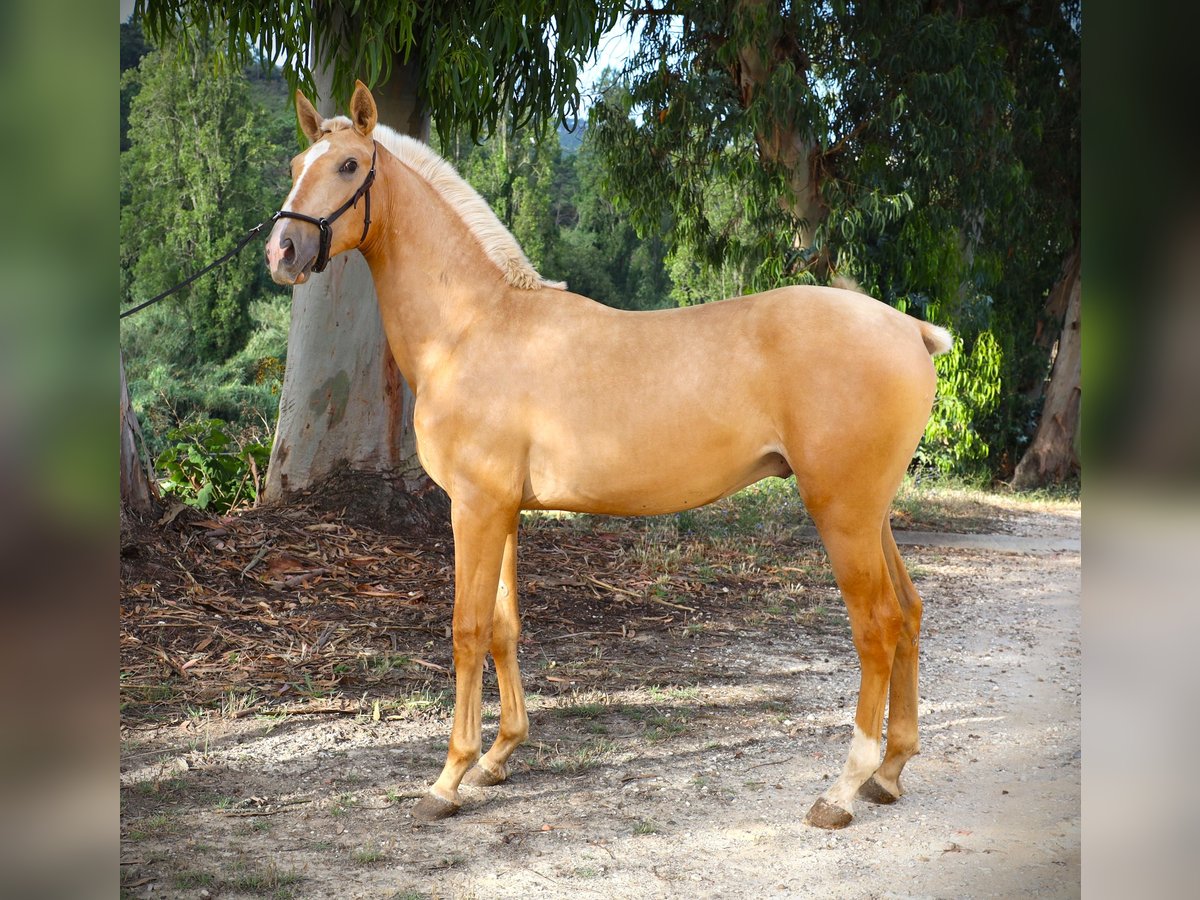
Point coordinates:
[(1053, 456), (783, 144), (345, 439), (137, 492)]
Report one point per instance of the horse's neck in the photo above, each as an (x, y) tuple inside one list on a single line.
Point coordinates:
[(431, 276)]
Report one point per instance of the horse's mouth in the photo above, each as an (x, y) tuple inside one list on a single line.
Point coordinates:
[(302, 275)]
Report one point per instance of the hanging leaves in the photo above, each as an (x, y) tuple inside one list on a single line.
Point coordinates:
[(475, 58)]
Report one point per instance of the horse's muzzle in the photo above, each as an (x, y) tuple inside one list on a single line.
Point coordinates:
[(291, 252)]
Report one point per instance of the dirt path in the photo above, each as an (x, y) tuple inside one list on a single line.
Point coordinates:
[(698, 788)]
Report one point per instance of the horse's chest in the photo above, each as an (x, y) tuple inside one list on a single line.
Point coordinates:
[(454, 442)]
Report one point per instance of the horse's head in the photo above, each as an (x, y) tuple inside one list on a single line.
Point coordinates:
[(327, 186)]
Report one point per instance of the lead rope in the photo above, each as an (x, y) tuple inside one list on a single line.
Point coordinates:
[(212, 265), (363, 193)]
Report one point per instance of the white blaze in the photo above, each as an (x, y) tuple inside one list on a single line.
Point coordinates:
[(315, 152)]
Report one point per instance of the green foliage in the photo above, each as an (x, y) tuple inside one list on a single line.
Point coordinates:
[(206, 467), (242, 390), (601, 254), (967, 392), (554, 203), (133, 48), (474, 61), (932, 153), (207, 159), (515, 172), (197, 175)]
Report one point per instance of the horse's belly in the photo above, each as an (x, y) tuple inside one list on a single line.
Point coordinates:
[(638, 482)]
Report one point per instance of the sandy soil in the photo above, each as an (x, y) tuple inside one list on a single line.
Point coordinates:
[(635, 786)]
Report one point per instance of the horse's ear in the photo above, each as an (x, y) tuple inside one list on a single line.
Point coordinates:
[(362, 110), (310, 119)]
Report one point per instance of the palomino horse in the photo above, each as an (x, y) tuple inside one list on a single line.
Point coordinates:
[(531, 397)]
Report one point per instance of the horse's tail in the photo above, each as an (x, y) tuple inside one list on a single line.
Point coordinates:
[(937, 339)]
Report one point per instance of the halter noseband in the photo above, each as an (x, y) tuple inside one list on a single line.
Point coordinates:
[(325, 223)]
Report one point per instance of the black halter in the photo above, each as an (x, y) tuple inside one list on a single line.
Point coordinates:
[(325, 223)]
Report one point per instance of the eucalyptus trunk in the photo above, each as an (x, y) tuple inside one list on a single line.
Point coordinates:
[(782, 144), (345, 438), (1053, 456), (137, 492)]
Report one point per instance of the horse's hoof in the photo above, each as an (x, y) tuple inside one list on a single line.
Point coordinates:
[(827, 815), (482, 777), (875, 792), (432, 808)]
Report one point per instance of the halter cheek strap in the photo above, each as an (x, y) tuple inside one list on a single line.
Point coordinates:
[(325, 223)]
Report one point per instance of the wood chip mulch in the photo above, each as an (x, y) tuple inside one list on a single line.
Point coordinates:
[(288, 610)]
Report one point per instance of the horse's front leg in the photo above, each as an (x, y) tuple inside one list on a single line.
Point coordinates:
[(481, 526)]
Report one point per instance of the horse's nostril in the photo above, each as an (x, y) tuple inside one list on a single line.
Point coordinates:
[(289, 251)]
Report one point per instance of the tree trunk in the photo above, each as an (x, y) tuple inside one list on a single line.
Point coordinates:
[(783, 144), (1053, 456), (344, 438), (137, 492), (139, 496)]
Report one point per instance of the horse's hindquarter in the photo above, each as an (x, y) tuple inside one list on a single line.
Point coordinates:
[(607, 411)]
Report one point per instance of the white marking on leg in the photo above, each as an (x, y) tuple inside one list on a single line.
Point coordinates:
[(861, 762), (315, 152)]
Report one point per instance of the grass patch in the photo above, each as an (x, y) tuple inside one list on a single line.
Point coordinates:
[(136, 694), (662, 694), (379, 664), (427, 701), (646, 826), (153, 826), (193, 879), (236, 704), (772, 511), (663, 728), (581, 711), (954, 505), (578, 759), (365, 856), (269, 881), (342, 805), (637, 713)]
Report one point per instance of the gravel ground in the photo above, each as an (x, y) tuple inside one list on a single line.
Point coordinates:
[(696, 788)]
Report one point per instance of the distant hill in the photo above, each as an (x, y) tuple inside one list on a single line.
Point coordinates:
[(570, 140)]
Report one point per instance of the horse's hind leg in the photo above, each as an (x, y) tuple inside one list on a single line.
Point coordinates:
[(861, 570), (902, 739), (492, 768)]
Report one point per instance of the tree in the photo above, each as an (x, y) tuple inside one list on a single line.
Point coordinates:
[(133, 48), (192, 183), (928, 149), (344, 434), (514, 170), (1053, 454), (137, 491)]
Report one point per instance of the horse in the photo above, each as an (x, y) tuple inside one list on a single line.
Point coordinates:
[(530, 397)]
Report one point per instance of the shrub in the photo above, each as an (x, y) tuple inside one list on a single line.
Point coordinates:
[(206, 467)]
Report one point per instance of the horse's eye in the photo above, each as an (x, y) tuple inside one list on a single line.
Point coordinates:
[(349, 166)]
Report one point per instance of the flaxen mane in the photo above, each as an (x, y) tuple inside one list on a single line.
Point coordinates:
[(496, 240)]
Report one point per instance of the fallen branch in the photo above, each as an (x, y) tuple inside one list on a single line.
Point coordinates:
[(773, 762)]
